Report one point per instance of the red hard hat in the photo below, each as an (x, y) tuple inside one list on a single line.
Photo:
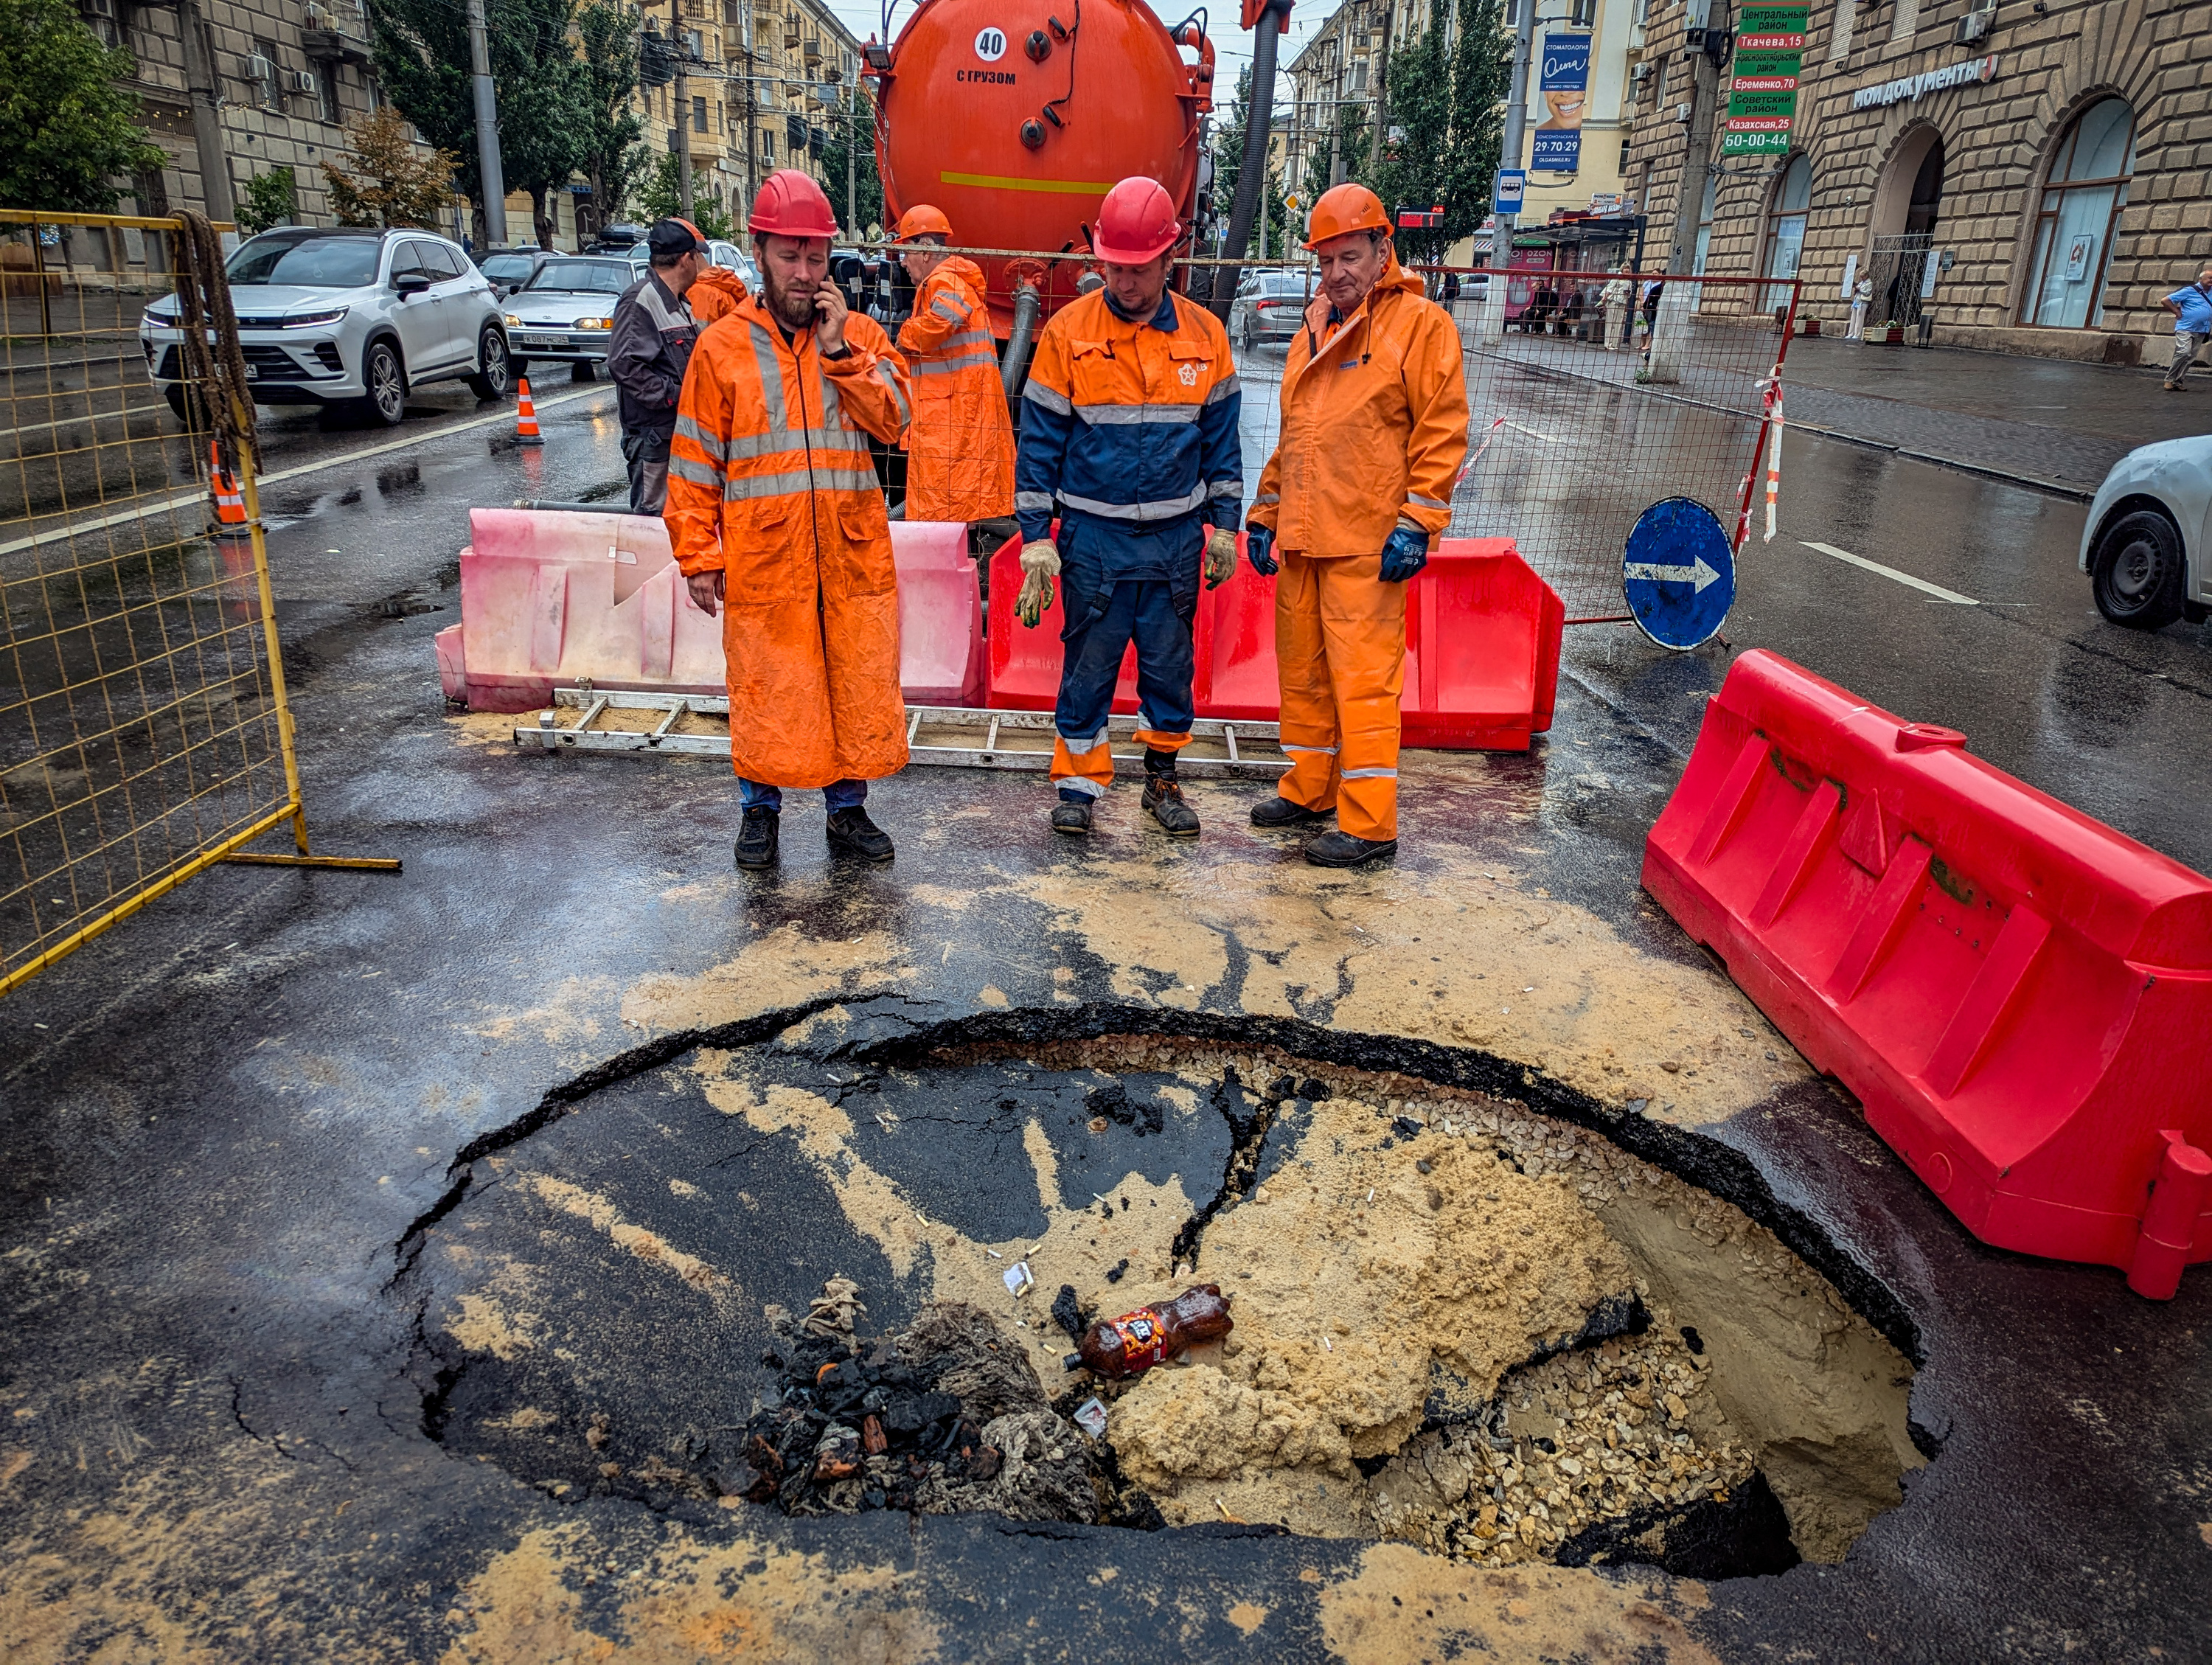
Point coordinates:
[(791, 205), (923, 221), (1136, 224)]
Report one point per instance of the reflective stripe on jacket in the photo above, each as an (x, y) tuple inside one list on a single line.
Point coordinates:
[(1374, 424), (648, 348), (770, 481), (960, 449), (1131, 424)]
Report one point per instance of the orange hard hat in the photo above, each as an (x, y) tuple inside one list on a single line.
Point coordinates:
[(1136, 224), (791, 205), (1344, 209), (923, 221)]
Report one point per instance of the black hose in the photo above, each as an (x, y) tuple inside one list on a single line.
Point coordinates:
[(1252, 172), (1014, 370)]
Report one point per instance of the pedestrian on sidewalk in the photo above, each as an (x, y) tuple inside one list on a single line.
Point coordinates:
[(2191, 307), (778, 522), (960, 448), (1614, 299), (1130, 421), (1862, 295), (1374, 413), (649, 349), (1653, 288)]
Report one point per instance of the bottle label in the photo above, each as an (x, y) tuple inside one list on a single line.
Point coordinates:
[(1143, 1339)]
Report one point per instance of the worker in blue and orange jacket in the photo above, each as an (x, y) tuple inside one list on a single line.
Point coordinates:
[(1357, 492), (1129, 424), (960, 445)]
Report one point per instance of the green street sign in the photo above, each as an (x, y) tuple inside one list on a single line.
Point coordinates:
[(1772, 19), (1742, 103), (1754, 144), (1760, 64)]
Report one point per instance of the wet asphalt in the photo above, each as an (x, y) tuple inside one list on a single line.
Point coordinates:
[(225, 1117)]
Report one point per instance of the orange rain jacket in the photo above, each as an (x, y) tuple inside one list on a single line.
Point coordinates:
[(960, 451), (1374, 424), (771, 483), (714, 294)]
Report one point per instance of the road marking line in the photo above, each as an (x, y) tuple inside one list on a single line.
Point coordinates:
[(1907, 579), (1534, 433), (56, 534)]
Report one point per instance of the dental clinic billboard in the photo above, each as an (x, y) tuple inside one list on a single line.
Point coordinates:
[(1770, 52), (1564, 80)]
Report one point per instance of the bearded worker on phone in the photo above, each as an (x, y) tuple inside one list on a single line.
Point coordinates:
[(778, 523)]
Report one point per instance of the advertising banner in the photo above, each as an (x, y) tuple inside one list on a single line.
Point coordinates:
[(1564, 80)]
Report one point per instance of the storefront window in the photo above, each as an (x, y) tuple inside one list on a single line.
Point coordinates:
[(2081, 204), (1785, 227)]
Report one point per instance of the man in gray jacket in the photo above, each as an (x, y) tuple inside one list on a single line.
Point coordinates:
[(647, 351)]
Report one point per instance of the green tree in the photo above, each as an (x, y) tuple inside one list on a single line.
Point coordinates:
[(849, 129), (67, 131), (1450, 102), (660, 199), (271, 199), (613, 159), (388, 184), (422, 53), (1352, 144)]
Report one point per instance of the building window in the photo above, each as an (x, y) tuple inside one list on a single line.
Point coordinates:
[(698, 115), (1785, 227), (1705, 223), (1839, 32), (327, 91), (1903, 22), (2081, 204), (767, 145)]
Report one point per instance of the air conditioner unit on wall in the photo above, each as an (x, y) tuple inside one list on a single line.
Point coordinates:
[(298, 81), (1976, 24)]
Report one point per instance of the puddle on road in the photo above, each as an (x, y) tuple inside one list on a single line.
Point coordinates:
[(1459, 1325)]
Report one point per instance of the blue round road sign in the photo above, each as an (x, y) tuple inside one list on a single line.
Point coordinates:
[(1678, 573)]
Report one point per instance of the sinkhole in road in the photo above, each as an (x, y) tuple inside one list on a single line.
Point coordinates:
[(820, 1276)]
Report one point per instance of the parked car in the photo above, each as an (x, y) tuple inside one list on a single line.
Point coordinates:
[(2149, 535), (345, 318), (562, 315), (510, 269), (723, 253), (617, 237), (1269, 306)]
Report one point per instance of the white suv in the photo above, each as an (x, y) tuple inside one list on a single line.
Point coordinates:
[(344, 317)]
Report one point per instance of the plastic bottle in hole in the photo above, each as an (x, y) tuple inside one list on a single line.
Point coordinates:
[(1131, 1344)]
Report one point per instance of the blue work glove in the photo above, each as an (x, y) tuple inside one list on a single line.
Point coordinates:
[(1405, 554), (1259, 549)]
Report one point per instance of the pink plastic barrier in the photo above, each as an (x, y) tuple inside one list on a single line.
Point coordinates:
[(1482, 649), (1025, 664), (552, 597)]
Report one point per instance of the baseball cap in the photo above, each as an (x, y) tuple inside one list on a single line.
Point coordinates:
[(673, 237)]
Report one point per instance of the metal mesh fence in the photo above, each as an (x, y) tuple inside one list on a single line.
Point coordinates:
[(143, 731), (1591, 395)]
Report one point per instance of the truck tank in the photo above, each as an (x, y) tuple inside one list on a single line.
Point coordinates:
[(1016, 117)]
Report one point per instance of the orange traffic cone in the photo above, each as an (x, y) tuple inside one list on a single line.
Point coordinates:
[(229, 501), (525, 417)]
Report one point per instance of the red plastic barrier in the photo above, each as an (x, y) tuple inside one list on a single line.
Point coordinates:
[(1482, 649), (1235, 641), (1023, 672), (2020, 996), (551, 597)]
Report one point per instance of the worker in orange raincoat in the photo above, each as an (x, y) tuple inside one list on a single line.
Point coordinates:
[(1374, 431), (960, 450), (777, 519), (715, 293)]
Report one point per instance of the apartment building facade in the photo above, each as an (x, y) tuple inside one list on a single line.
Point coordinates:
[(2029, 176)]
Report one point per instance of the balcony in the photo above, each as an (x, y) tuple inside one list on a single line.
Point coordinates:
[(337, 45)]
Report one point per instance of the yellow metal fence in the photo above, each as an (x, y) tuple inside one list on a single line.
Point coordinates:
[(144, 733)]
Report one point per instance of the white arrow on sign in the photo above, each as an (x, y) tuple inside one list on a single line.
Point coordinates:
[(1699, 575)]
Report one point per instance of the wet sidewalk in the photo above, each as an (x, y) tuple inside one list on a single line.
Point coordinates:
[(2046, 422)]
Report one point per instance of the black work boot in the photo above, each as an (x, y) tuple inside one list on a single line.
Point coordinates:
[(1163, 802), (1337, 848), (1281, 813), (756, 837), (1071, 815), (850, 831)]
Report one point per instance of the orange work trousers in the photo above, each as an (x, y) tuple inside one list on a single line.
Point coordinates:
[(1340, 649)]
